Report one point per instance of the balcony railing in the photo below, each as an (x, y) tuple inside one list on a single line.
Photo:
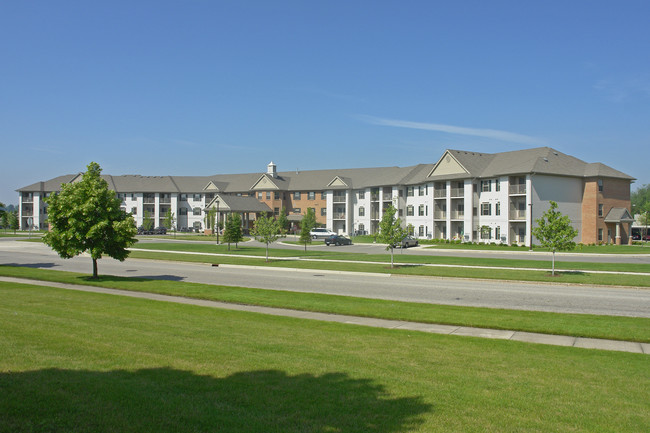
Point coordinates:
[(374, 196), (516, 214), (149, 200), (457, 192), (439, 215), (338, 199), (338, 215), (518, 189), (440, 193), (387, 197), (374, 215), (457, 214), (165, 199)]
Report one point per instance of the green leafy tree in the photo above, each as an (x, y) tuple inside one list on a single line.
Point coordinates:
[(12, 220), (147, 221), (640, 198), (391, 231), (644, 220), (232, 233), (86, 216), (554, 231), (283, 221), (266, 230), (308, 223), (170, 221), (3, 216)]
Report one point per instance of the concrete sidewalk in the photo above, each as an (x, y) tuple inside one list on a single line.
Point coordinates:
[(555, 340)]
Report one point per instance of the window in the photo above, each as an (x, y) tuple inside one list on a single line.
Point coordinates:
[(362, 194), (486, 232), (600, 185), (197, 197), (400, 213), (182, 211), (323, 211), (409, 191), (486, 209), (276, 195), (421, 190), (497, 208), (276, 211), (486, 185), (497, 185), (421, 231), (296, 195), (362, 229), (409, 210), (497, 233), (600, 234), (183, 197), (296, 210), (323, 195), (134, 211), (600, 210), (311, 195), (362, 211), (421, 210), (268, 195), (196, 211)]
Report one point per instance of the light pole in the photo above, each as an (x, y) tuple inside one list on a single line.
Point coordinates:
[(530, 205), (217, 228)]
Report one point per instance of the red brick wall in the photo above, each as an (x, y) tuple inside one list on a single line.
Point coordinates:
[(616, 193)]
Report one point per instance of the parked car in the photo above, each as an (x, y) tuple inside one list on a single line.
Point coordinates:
[(160, 231), (143, 231), (337, 240), (409, 241), (320, 232), (636, 237)]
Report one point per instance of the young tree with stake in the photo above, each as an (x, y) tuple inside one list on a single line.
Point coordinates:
[(554, 231)]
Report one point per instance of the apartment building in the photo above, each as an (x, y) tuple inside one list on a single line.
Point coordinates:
[(469, 196)]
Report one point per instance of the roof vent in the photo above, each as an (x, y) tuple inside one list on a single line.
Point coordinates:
[(545, 159)]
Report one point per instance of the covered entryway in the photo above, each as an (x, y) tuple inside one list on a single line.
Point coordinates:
[(246, 206), (615, 219)]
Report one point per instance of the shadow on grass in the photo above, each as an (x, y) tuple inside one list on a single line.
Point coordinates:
[(139, 279), (168, 400)]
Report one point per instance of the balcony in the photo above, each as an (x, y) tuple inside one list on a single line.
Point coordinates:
[(387, 196), (440, 193), (338, 199), (439, 215), (518, 189), (516, 214), (457, 192), (338, 215), (165, 199), (149, 200), (457, 214)]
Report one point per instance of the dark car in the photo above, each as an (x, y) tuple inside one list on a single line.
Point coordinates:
[(144, 231), (160, 231), (337, 240), (408, 241), (636, 237)]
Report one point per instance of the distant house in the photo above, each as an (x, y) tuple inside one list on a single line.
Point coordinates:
[(470, 196)]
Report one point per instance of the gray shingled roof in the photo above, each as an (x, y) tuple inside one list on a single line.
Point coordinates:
[(240, 204), (619, 215), (541, 160)]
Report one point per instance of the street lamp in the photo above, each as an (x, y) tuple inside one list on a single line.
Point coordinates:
[(217, 228)]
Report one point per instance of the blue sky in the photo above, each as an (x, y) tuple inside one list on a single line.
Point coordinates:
[(205, 87)]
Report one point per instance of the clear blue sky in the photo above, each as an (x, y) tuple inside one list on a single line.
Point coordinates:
[(205, 87)]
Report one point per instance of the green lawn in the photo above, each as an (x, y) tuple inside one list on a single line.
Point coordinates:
[(87, 362), (579, 325)]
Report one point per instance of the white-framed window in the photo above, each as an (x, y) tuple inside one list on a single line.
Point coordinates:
[(134, 211), (600, 185), (362, 211), (600, 210), (409, 210), (296, 210), (362, 194), (497, 185), (409, 191), (497, 233), (296, 195), (323, 211), (486, 185), (196, 211), (421, 190), (486, 209), (497, 208), (197, 197), (421, 210), (421, 231), (311, 195), (268, 195), (182, 211)]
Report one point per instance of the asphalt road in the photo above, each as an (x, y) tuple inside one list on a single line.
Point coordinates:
[(494, 294)]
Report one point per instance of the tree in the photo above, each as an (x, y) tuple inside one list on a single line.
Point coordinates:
[(554, 231), (170, 221), (266, 230), (308, 223), (12, 220), (147, 221), (640, 198), (86, 216), (644, 220), (3, 216), (390, 231), (283, 221), (233, 233)]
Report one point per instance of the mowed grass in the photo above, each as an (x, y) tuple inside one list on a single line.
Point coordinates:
[(578, 325), (417, 265), (86, 362)]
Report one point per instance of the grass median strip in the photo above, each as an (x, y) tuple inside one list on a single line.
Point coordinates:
[(419, 269), (578, 325), (87, 362)]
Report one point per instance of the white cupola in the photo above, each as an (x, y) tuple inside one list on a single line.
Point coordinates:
[(271, 170)]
